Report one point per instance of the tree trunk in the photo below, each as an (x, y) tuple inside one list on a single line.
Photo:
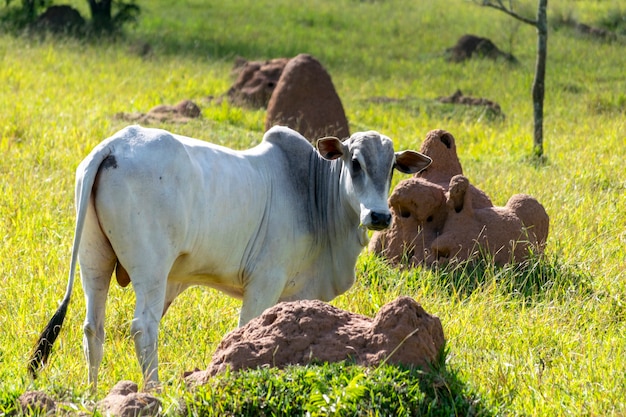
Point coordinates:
[(29, 9), (540, 75), (101, 15)]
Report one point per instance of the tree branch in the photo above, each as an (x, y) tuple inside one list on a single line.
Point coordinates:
[(498, 5)]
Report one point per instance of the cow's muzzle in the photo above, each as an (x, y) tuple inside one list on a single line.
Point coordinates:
[(379, 221)]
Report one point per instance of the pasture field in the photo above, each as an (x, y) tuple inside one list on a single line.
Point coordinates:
[(546, 339)]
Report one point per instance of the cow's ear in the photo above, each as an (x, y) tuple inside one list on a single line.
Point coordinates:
[(330, 148), (411, 162)]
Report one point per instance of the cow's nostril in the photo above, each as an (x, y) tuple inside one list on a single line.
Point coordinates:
[(380, 220)]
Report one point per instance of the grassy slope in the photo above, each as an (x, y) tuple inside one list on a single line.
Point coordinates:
[(555, 352)]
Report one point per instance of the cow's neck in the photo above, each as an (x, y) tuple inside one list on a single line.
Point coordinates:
[(331, 213), (334, 226)]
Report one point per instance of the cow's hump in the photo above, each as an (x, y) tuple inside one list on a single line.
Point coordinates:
[(288, 140)]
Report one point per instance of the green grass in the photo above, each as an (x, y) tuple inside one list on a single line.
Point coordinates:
[(334, 389), (546, 338)]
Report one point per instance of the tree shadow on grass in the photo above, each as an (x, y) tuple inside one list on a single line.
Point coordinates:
[(205, 47), (536, 278), (540, 277), (337, 389)]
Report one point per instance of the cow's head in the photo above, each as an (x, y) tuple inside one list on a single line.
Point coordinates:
[(368, 161)]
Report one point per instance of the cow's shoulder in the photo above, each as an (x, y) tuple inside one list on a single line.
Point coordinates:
[(294, 164)]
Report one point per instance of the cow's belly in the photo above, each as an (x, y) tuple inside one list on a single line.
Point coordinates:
[(219, 275), (230, 289), (284, 260)]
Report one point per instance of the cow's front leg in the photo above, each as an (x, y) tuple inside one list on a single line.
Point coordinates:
[(261, 293), (145, 329)]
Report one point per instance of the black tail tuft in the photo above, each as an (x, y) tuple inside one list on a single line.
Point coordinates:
[(46, 340)]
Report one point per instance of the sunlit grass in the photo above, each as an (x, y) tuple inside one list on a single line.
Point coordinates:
[(548, 338)]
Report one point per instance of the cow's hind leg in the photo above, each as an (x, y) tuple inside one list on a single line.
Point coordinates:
[(97, 261), (150, 299)]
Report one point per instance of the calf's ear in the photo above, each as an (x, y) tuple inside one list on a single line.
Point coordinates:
[(411, 162), (330, 148)]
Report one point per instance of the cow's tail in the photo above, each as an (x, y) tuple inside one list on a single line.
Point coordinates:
[(85, 178)]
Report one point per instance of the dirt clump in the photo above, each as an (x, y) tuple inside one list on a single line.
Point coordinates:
[(256, 81), (182, 112), (124, 400), (471, 46), (458, 98), (37, 403)]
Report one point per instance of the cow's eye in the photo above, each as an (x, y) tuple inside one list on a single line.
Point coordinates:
[(356, 166)]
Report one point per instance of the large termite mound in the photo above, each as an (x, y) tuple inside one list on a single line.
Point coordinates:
[(439, 216)]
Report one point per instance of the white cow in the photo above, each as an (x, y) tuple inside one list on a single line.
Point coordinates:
[(276, 222)]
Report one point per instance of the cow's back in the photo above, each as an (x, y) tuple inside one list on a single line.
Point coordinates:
[(191, 205)]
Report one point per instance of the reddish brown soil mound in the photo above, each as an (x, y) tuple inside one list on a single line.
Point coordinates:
[(438, 216), (305, 99), (182, 112), (308, 331), (256, 81)]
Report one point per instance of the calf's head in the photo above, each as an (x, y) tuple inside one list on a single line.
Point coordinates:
[(368, 159)]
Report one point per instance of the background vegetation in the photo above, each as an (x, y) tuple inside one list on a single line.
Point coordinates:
[(547, 338)]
